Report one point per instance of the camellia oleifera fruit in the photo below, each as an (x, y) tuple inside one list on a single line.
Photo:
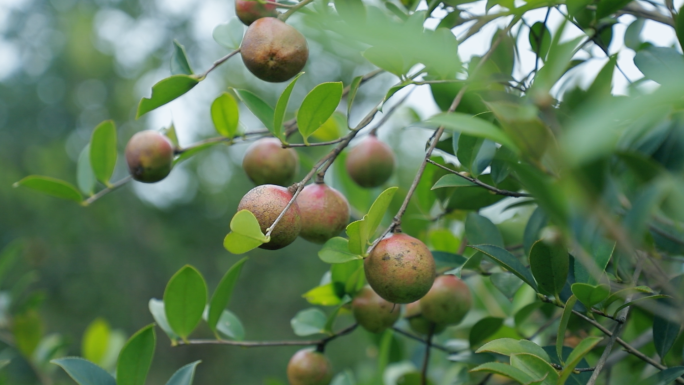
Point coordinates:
[(372, 312), (400, 268), (267, 162), (274, 51), (248, 11), (324, 210), (370, 163), (266, 202), (418, 323), (447, 302), (308, 367), (149, 155)]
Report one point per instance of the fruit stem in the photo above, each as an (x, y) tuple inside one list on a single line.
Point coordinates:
[(295, 8), (218, 63), (426, 359)]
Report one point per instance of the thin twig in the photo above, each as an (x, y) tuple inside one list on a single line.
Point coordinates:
[(107, 190), (260, 344), (319, 144), (218, 63), (426, 358), (478, 182), (416, 338), (295, 8)]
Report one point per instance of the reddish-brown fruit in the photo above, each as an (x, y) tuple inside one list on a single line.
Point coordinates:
[(370, 163), (149, 155), (266, 202), (372, 312), (308, 367), (274, 51), (248, 11), (447, 302), (400, 269), (267, 162), (418, 323), (324, 210)]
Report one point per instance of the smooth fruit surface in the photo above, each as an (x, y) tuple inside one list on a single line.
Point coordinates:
[(370, 163), (324, 210), (266, 202), (418, 323), (149, 155), (267, 162), (308, 367), (400, 268), (248, 11), (447, 302), (372, 312), (274, 51)]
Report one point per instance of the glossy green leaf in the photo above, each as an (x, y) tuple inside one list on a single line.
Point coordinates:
[(590, 295), (246, 233), (358, 237), (84, 372), (229, 34), (378, 210), (27, 330), (184, 300), (480, 230), (95, 341), (665, 333), (451, 180), (467, 124), (318, 106), (535, 366), (601, 253), (581, 350), (533, 229), (51, 186), (510, 346), (660, 64), (223, 293), (225, 114), (85, 177), (308, 322), (230, 326), (165, 91), (103, 151), (444, 259), (135, 358), (664, 377), (240, 244), (607, 7), (281, 108), (468, 147), (507, 283), (259, 108), (179, 61), (505, 370), (330, 321), (563, 325), (507, 261), (156, 307), (540, 39), (550, 265), (353, 88), (633, 34), (324, 295), (184, 375), (484, 329), (336, 250)]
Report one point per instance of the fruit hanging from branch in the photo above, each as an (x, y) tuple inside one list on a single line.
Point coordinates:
[(370, 163), (447, 302), (308, 367), (418, 323), (372, 312), (324, 211), (248, 11), (266, 202), (267, 162), (149, 155)]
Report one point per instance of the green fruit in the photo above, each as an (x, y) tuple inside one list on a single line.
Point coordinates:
[(274, 51), (149, 155), (308, 367), (266, 202), (267, 162), (324, 210), (400, 268), (372, 312), (248, 11), (447, 302), (370, 163), (418, 323)]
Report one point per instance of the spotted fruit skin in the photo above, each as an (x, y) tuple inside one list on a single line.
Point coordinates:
[(308, 367), (447, 302), (370, 163), (400, 269), (149, 155), (418, 323), (248, 11), (266, 202), (267, 162), (324, 210), (372, 312), (274, 51)]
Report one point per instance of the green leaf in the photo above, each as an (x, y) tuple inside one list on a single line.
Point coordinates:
[(240, 244), (51, 186), (170, 133), (259, 108), (225, 114), (336, 250), (630, 303), (633, 33), (507, 261), (665, 333), (229, 34), (622, 294), (179, 61), (559, 57), (246, 233), (184, 375), (481, 231), (484, 329), (468, 147), (563, 325), (353, 88), (660, 64), (84, 372), (165, 91), (27, 330), (281, 108), (510, 346), (378, 210), (318, 106), (451, 180), (505, 370), (388, 59), (358, 237), (96, 341), (135, 358), (224, 290), (9, 256), (540, 39), (103, 151), (590, 295), (601, 252), (344, 378), (443, 259), (324, 295), (308, 322), (679, 28), (550, 265), (467, 124), (533, 229), (535, 366), (664, 377), (507, 283), (229, 326), (184, 300), (581, 350), (156, 307), (607, 7), (84, 173)]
